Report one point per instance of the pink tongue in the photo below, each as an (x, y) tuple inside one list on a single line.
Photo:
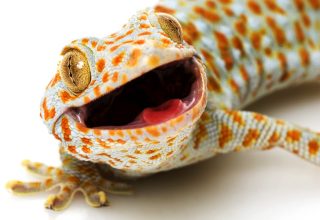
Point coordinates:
[(164, 112)]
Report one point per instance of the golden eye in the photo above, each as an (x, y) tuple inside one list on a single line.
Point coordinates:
[(170, 26), (75, 71)]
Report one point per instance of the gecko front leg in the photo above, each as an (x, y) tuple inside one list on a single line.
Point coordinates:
[(229, 131), (72, 177)]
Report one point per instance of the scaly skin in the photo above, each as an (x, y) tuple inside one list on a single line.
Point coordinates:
[(250, 48)]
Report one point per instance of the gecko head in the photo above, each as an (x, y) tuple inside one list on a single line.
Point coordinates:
[(139, 90)]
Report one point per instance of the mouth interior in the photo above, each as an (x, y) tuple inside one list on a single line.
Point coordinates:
[(156, 96)]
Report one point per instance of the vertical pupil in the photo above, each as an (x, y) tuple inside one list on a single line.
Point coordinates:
[(70, 70)]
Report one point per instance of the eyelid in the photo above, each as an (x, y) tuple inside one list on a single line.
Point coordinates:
[(171, 26)]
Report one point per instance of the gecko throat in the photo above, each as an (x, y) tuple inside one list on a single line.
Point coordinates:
[(155, 97)]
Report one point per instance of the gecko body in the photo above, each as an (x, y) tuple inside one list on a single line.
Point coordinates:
[(167, 91)]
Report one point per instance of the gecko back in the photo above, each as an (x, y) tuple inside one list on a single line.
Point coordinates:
[(251, 48)]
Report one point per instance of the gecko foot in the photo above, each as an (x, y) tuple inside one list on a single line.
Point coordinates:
[(85, 179)]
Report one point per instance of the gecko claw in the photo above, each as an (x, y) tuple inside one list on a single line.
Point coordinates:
[(94, 188)]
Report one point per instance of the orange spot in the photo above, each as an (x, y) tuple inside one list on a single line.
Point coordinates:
[(154, 61), (108, 42), (228, 11), (202, 133), (210, 61), (244, 73), (277, 31), (274, 138), (144, 26), (154, 157), (225, 135), (315, 4), (238, 44), (105, 77), (134, 57), (124, 79), (306, 20), (223, 46), (299, 4), (85, 40), (293, 135), (86, 141), (105, 155), (304, 56), (118, 59), (55, 134), (143, 17), (100, 65), (139, 132), (97, 132), (259, 117), (82, 128), (313, 147), (191, 33), (92, 82), (120, 141), (109, 89), (120, 37), (103, 144), (152, 151), (72, 149), (211, 4), (160, 8), (55, 80), (85, 149), (120, 133), (65, 129), (153, 131), (169, 153), (101, 48), (250, 137), (180, 119), (299, 31), (115, 77), (96, 91), (114, 48), (226, 1), (283, 60), (129, 32), (254, 7), (236, 117), (272, 5), (234, 86), (86, 99), (139, 42), (48, 114), (94, 44), (65, 96), (240, 25), (256, 40), (145, 33), (209, 15), (213, 84)]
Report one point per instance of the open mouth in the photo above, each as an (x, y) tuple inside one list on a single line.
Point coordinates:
[(153, 98)]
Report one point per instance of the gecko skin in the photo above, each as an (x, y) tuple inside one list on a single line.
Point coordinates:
[(164, 93)]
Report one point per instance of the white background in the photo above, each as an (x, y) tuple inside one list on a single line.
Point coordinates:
[(255, 185)]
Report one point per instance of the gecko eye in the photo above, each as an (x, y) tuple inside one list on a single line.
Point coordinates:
[(170, 26), (74, 71)]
